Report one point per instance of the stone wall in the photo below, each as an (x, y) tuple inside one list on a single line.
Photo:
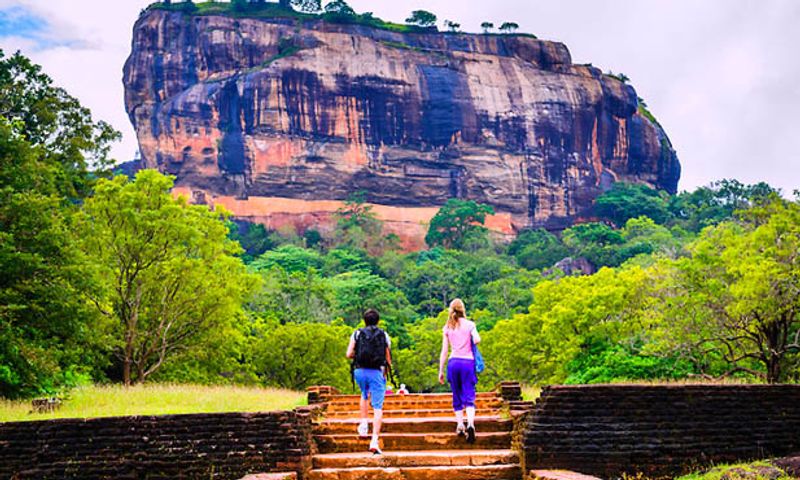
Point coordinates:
[(659, 430), (207, 446)]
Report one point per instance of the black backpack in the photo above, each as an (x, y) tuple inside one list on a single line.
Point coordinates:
[(370, 348)]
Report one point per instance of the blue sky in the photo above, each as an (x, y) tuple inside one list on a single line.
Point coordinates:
[(722, 76)]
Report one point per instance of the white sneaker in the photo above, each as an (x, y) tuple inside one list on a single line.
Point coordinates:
[(363, 429), (374, 447)]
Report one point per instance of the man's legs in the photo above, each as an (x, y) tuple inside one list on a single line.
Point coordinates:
[(363, 426), (377, 389), (362, 380)]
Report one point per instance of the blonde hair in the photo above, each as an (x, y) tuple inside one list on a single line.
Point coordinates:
[(457, 312)]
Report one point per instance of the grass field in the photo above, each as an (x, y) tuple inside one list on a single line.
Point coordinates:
[(157, 399)]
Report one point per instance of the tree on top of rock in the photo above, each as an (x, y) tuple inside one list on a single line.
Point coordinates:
[(452, 26), (421, 18), (486, 26), (339, 7), (508, 27), (456, 222), (308, 6)]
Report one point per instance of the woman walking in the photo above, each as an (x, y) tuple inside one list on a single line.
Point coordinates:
[(459, 335)]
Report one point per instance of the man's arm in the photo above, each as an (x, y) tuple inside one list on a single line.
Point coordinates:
[(388, 356), (351, 348)]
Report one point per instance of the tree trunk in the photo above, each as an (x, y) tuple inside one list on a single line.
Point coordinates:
[(126, 370)]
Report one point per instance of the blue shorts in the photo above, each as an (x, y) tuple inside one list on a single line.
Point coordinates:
[(371, 383)]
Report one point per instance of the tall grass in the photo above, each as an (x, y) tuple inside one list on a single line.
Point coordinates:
[(157, 399)]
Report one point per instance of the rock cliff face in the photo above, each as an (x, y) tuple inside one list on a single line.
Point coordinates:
[(281, 121)]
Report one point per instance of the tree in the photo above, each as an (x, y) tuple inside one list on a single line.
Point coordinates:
[(308, 6), (290, 258), (486, 26), (627, 200), (736, 295), (297, 356), (50, 154), (421, 18), (598, 242), (239, 5), (537, 249), (292, 297), (70, 141), (455, 221), (452, 26), (717, 202), (359, 290), (253, 237), (508, 27), (566, 316), (356, 224), (157, 253), (340, 8)]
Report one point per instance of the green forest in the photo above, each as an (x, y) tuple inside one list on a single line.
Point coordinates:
[(110, 279)]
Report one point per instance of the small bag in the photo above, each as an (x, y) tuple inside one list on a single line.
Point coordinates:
[(480, 366)]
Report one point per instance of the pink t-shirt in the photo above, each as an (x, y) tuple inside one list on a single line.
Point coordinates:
[(459, 339)]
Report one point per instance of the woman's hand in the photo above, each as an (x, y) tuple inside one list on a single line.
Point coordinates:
[(441, 378)]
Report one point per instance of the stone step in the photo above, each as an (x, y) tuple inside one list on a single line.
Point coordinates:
[(429, 458), (420, 404), (494, 423), (485, 472), (414, 441), (412, 413), (411, 396)]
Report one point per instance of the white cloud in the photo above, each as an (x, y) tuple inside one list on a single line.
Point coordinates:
[(721, 75)]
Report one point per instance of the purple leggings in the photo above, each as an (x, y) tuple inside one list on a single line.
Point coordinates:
[(462, 379)]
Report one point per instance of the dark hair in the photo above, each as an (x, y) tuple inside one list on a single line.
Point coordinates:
[(371, 317)]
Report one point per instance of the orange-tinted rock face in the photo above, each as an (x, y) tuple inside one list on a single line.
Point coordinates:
[(412, 119)]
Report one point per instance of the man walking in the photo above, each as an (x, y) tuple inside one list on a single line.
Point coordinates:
[(369, 349)]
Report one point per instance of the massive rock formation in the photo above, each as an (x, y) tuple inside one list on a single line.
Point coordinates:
[(281, 120)]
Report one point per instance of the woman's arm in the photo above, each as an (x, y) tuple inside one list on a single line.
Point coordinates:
[(476, 337), (442, 358)]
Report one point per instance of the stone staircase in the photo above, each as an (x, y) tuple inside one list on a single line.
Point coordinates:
[(418, 439)]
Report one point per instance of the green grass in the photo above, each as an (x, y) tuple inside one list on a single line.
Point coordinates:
[(749, 471), (157, 399)]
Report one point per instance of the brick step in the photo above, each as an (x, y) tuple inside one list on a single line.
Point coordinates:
[(424, 458), (483, 472), (415, 413), (493, 423), (413, 404), (414, 441), (411, 396)]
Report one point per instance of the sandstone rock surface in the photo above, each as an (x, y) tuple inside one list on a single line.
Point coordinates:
[(281, 120)]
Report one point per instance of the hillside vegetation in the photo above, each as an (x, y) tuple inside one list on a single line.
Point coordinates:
[(110, 279)]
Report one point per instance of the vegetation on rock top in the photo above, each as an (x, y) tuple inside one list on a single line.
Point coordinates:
[(336, 11)]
